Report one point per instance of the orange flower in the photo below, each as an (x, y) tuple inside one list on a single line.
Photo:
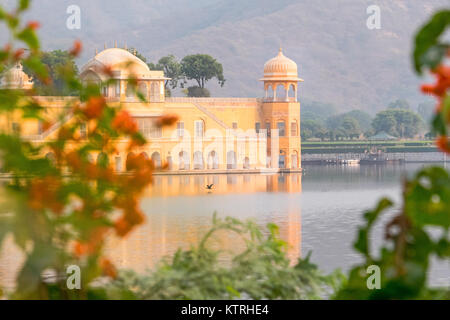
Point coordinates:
[(166, 120), (46, 125), (108, 268), (124, 123), (94, 107), (443, 143), (122, 227), (18, 54), (438, 89), (107, 70), (76, 49), (73, 160), (43, 193), (33, 25), (93, 245)]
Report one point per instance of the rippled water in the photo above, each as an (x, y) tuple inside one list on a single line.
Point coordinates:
[(317, 211)]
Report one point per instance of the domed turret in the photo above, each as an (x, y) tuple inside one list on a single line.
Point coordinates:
[(122, 66), (15, 78), (280, 71), (280, 67)]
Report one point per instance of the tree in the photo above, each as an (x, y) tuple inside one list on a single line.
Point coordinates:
[(196, 91), (363, 118), (172, 69), (202, 68), (139, 55), (398, 122), (351, 127), (311, 129), (58, 63)]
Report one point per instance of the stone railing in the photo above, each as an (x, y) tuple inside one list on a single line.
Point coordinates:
[(211, 100)]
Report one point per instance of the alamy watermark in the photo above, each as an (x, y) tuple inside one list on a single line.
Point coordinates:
[(374, 280), (73, 22), (74, 277), (374, 19)]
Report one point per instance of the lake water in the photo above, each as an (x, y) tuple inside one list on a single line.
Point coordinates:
[(318, 210)]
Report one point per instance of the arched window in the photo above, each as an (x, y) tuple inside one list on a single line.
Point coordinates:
[(213, 160), (154, 92), (198, 160), (142, 88), (294, 160), (231, 160), (291, 93), (281, 126), (183, 161), (130, 90), (246, 163), (281, 93), (294, 126), (199, 128), (156, 158), (102, 160), (129, 160)]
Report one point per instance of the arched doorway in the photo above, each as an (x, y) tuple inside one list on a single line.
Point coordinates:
[(231, 160), (282, 159), (246, 163), (102, 160), (156, 158), (198, 160), (294, 160), (213, 160), (130, 156), (183, 161), (142, 89), (169, 163)]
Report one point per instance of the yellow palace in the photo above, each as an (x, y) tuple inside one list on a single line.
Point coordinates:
[(212, 134)]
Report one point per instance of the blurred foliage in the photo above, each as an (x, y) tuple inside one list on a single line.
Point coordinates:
[(59, 208), (261, 271)]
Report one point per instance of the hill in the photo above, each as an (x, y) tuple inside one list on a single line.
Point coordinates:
[(343, 62)]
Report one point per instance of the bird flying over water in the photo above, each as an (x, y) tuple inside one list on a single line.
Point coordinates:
[(209, 186)]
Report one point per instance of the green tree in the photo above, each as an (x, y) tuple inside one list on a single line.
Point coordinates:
[(351, 127), (202, 68), (139, 55), (196, 91), (172, 69), (398, 122), (311, 129), (59, 63), (363, 118)]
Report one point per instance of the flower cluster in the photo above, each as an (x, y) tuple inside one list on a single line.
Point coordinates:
[(440, 90)]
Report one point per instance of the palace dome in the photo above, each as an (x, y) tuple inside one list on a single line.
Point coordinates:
[(121, 62), (281, 68), (15, 78), (120, 58)]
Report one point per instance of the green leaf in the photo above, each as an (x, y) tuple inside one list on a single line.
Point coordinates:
[(428, 51)]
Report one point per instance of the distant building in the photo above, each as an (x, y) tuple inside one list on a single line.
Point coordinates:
[(212, 133), (15, 78)]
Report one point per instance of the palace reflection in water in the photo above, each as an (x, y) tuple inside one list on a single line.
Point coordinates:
[(179, 211)]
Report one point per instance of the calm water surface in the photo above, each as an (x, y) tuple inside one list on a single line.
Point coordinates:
[(316, 211)]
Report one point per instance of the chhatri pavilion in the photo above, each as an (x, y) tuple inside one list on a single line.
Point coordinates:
[(212, 134)]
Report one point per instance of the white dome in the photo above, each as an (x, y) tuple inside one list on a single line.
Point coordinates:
[(121, 62)]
